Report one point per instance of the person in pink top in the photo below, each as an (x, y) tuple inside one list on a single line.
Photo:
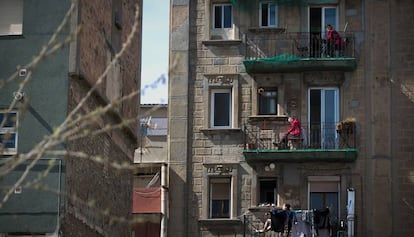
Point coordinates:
[(293, 132), (294, 128), (334, 40)]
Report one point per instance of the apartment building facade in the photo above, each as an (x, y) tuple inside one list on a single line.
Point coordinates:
[(238, 71), (150, 195), (64, 193)]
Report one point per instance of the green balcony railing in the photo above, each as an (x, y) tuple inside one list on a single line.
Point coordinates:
[(303, 51), (321, 141)]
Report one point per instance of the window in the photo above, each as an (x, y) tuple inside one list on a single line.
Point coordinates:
[(268, 14), (323, 116), (319, 17), (154, 127), (221, 108), (222, 16), (268, 191), (11, 17), (324, 192), (220, 105), (267, 101), (221, 23), (220, 197), (8, 132)]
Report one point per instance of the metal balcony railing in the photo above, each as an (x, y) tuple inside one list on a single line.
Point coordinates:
[(251, 224), (314, 136), (300, 45)]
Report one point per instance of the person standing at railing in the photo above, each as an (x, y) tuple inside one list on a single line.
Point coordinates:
[(333, 41)]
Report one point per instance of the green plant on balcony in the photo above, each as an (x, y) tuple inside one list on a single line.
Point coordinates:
[(346, 126)]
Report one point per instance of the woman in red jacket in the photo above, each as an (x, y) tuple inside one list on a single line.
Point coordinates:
[(334, 40), (294, 132)]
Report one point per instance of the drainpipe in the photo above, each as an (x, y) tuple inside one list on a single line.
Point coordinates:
[(351, 212), (164, 199)]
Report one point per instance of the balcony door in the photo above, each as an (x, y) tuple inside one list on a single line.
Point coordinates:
[(323, 114), (319, 17)]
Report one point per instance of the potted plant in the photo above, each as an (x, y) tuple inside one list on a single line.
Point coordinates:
[(346, 126)]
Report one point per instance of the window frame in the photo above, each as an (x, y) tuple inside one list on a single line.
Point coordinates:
[(268, 8), (261, 97), (261, 82), (260, 181), (219, 170), (327, 181), (327, 128), (222, 16), (323, 19), (10, 130), (214, 82), (14, 9), (217, 180), (213, 111)]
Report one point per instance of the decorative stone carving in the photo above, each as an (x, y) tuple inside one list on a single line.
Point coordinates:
[(220, 169), (223, 79)]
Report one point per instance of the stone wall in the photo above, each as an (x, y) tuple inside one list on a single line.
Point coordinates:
[(379, 94)]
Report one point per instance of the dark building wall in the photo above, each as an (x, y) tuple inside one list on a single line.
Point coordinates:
[(402, 116), (105, 26), (99, 195)]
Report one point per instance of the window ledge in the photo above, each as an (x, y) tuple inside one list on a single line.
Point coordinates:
[(220, 130), (221, 42), (8, 152), (261, 208), (267, 30), (217, 222), (269, 117), (11, 37)]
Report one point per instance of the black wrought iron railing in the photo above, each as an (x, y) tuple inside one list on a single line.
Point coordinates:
[(251, 224), (313, 136), (298, 45)]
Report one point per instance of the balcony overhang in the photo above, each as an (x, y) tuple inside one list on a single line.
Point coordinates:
[(268, 65), (300, 155)]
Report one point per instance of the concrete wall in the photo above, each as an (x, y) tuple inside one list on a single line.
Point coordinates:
[(35, 210)]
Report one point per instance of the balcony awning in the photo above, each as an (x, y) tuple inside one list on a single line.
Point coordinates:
[(147, 200)]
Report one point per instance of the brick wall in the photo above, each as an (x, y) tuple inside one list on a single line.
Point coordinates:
[(99, 196)]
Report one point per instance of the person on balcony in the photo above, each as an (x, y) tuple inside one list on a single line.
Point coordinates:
[(333, 41), (293, 135), (278, 219)]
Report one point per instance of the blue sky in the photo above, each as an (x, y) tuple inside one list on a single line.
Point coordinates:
[(155, 38)]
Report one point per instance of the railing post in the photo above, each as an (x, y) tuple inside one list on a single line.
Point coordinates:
[(244, 225)]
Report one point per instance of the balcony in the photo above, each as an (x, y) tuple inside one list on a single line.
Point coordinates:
[(297, 52), (319, 142)]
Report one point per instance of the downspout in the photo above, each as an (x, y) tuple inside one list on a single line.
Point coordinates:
[(57, 230), (164, 200), (350, 217)]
